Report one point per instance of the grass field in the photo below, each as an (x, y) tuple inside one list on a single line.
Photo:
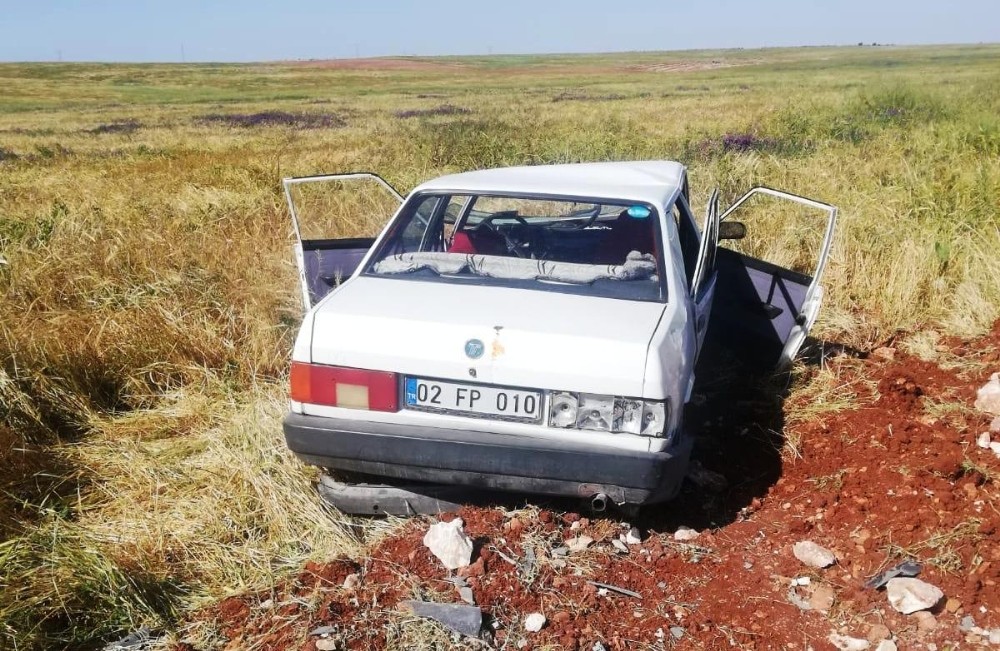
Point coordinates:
[(149, 296)]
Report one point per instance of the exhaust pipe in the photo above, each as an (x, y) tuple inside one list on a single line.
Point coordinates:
[(598, 503)]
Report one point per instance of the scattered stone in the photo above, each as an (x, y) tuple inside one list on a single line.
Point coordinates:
[(909, 595), (351, 581), (952, 605), (925, 621), (598, 647), (801, 580), (633, 537), (995, 636), (326, 644), (796, 600), (988, 396), (267, 604), (995, 446), (683, 534), (619, 546), (885, 353), (983, 441), (845, 643), (822, 597), (579, 543), (995, 425), (886, 645), (467, 620), (559, 552), (813, 555), (449, 544), (967, 623), (465, 593), (321, 630), (879, 632), (676, 632), (534, 622), (705, 478)]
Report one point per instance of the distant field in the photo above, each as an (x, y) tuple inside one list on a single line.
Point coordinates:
[(149, 298)]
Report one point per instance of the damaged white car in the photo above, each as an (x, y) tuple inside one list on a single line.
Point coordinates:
[(528, 329)]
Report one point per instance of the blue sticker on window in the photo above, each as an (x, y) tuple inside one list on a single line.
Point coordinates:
[(638, 212)]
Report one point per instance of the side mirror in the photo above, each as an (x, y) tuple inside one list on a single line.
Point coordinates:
[(732, 230)]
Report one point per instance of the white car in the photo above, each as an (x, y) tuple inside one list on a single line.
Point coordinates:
[(530, 329)]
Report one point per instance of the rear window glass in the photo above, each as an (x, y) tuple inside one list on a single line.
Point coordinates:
[(551, 244)]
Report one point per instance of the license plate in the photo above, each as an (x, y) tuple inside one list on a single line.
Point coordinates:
[(474, 399)]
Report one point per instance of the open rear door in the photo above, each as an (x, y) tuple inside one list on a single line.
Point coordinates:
[(768, 290), (336, 218)]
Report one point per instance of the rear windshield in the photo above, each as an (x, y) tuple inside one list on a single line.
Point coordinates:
[(551, 244)]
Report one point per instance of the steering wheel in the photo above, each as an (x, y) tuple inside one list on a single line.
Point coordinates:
[(513, 247)]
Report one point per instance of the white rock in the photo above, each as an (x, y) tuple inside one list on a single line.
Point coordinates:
[(845, 643), (910, 595), (579, 543), (995, 636), (685, 533), (326, 644), (801, 580), (450, 544), (813, 555), (633, 537), (886, 645), (995, 446), (984, 440), (534, 622), (351, 581), (619, 546), (995, 425), (988, 396)]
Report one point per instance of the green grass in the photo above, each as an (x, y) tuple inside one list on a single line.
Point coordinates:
[(150, 301)]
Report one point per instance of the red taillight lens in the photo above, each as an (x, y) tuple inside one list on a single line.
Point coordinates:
[(337, 386)]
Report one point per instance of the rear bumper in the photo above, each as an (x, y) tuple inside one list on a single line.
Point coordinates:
[(487, 460)]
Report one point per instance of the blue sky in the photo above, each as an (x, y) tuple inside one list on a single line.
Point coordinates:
[(260, 30)]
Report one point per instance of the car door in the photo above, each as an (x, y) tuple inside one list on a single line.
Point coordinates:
[(335, 218), (703, 281), (768, 290)]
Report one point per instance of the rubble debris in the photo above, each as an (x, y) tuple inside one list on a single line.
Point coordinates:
[(878, 632), (684, 534), (321, 630), (351, 581), (614, 588), (995, 446), (983, 441), (886, 645), (139, 640), (702, 477), (449, 543), (619, 546), (908, 595), (579, 543), (952, 605), (988, 396), (813, 555), (995, 425), (465, 593), (633, 537), (967, 623), (534, 622), (822, 597), (326, 644), (845, 643), (676, 632), (925, 620), (906, 568), (467, 620)]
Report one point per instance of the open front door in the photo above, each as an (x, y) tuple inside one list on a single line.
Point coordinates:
[(768, 292), (704, 279), (336, 218)]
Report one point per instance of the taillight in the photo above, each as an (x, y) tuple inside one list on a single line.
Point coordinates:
[(337, 386)]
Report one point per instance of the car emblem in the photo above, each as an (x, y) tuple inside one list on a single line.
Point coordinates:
[(474, 349)]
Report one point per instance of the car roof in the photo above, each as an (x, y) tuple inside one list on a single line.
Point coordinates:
[(652, 182)]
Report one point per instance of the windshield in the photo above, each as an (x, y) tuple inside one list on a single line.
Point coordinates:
[(551, 244)]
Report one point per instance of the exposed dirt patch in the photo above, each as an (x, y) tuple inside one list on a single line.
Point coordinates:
[(689, 66), (894, 477)]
